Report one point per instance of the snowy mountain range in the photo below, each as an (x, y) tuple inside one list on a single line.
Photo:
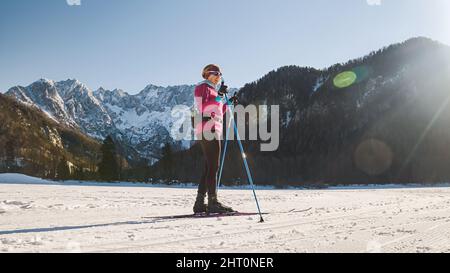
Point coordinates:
[(382, 117), (142, 121), (33, 143)]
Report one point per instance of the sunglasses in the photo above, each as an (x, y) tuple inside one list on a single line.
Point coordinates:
[(215, 73)]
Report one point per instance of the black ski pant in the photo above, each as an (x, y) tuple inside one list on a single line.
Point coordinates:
[(211, 153)]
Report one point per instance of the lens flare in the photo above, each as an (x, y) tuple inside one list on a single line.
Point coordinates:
[(373, 156), (362, 73), (345, 79), (350, 77)]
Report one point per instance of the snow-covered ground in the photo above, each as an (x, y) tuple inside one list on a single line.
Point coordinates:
[(43, 216)]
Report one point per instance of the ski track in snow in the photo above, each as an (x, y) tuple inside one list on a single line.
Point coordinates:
[(59, 218)]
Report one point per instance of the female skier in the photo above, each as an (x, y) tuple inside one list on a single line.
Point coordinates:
[(211, 105)]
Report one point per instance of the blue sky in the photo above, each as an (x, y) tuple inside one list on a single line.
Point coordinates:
[(131, 43)]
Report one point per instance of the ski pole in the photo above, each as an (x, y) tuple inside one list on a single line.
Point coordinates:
[(244, 158), (226, 144), (224, 149)]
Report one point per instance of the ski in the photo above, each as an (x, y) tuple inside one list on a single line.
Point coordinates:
[(219, 215), (202, 215)]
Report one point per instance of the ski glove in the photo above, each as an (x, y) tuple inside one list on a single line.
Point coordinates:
[(234, 100), (223, 90)]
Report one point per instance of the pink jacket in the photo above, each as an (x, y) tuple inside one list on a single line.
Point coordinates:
[(209, 104)]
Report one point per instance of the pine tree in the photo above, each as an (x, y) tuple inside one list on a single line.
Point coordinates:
[(108, 167), (78, 174), (63, 170), (167, 161), (10, 153)]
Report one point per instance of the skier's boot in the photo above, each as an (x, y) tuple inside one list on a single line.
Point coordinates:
[(214, 206), (200, 206)]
